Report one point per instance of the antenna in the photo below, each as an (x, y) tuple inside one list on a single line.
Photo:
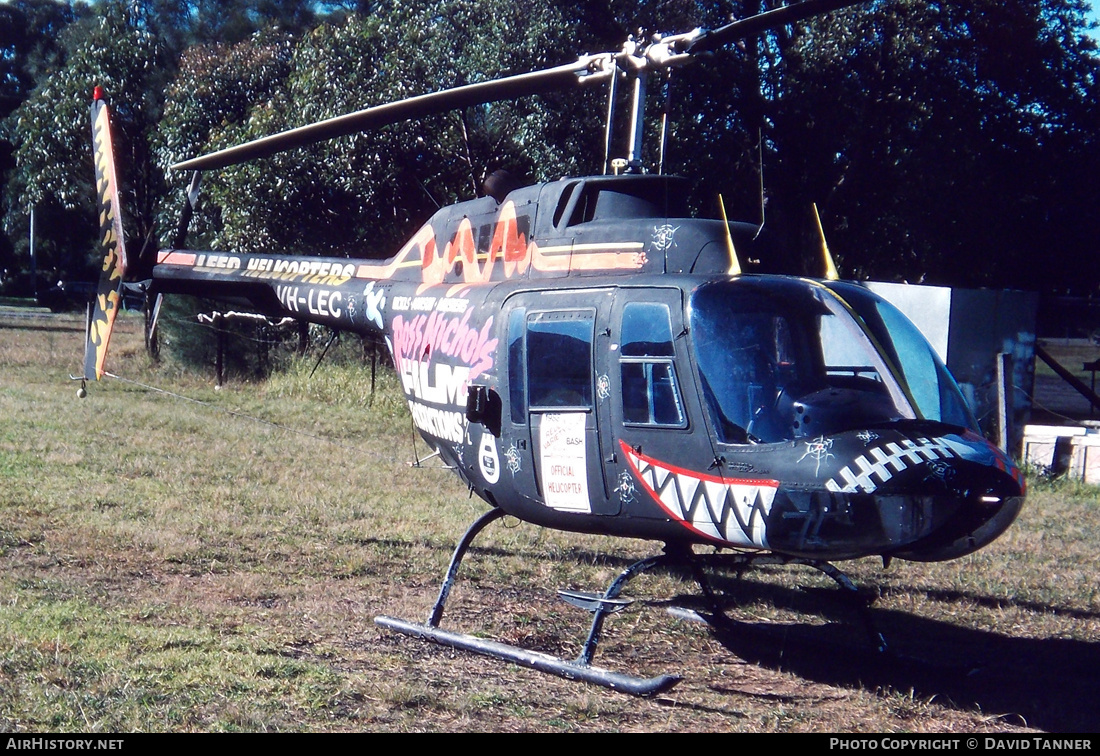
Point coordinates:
[(664, 121), (735, 264), (611, 91), (831, 273), (760, 172), (637, 114)]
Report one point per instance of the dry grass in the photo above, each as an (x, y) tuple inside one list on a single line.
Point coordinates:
[(171, 565)]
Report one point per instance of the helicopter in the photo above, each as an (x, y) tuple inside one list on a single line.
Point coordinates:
[(587, 356)]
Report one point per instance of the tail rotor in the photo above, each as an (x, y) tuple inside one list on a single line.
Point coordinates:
[(108, 295)]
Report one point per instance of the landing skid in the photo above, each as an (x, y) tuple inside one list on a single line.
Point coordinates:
[(575, 670), (600, 605)]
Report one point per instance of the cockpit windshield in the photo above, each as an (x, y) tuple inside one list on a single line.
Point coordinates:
[(930, 385), (782, 359)]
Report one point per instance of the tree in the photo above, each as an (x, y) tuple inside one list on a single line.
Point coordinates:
[(943, 141), (949, 142), (53, 172), (946, 142), (214, 92), (53, 133), (365, 194), (29, 50), (950, 122), (29, 34)]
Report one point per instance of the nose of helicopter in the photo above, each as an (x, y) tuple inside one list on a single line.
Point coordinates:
[(990, 496), (918, 492)]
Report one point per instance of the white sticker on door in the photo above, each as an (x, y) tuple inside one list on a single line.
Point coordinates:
[(564, 465)]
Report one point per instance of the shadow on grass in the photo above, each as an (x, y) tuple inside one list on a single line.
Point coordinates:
[(1051, 684)]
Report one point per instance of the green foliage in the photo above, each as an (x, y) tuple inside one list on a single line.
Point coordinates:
[(928, 134), (53, 135), (53, 151), (214, 91), (947, 142), (366, 193), (51, 55), (932, 147), (29, 46), (233, 21), (342, 378)]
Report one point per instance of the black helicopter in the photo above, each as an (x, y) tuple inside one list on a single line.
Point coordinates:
[(587, 357)]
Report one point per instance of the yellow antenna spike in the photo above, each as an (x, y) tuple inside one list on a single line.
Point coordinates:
[(831, 273), (735, 264)]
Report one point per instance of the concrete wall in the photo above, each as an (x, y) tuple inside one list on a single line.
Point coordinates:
[(1063, 450)]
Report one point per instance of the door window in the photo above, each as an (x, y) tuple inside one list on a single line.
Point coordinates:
[(559, 359), (650, 393)]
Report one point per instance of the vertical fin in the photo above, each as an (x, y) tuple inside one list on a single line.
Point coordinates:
[(735, 264), (831, 273), (108, 296)]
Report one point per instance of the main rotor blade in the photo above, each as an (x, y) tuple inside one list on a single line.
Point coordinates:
[(587, 69), (753, 25)]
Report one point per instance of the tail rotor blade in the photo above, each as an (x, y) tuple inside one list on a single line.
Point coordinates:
[(108, 296)]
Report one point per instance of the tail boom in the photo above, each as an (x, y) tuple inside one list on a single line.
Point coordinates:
[(336, 292)]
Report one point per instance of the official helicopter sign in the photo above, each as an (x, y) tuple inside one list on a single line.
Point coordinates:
[(588, 357)]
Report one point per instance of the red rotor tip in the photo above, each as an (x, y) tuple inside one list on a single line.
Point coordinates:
[(97, 93)]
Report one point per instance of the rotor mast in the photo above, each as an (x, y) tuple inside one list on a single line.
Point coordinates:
[(638, 59)]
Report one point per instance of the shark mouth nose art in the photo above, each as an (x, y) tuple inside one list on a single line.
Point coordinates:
[(725, 509)]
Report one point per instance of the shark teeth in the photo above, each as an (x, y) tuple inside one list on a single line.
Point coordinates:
[(725, 509)]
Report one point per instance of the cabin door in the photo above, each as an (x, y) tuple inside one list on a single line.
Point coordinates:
[(553, 382), (653, 404)]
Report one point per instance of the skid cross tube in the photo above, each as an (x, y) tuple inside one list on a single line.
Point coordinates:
[(581, 669), (676, 557)]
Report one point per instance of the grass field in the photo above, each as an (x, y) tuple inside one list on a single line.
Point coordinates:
[(197, 560)]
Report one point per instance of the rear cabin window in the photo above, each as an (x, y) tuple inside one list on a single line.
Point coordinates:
[(607, 201), (516, 398)]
